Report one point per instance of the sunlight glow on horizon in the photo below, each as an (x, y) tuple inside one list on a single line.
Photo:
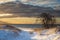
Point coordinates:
[(1, 15), (2, 1)]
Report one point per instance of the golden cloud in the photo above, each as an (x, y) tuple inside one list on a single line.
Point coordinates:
[(5, 0)]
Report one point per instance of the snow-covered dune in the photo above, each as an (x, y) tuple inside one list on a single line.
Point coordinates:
[(25, 35), (8, 33)]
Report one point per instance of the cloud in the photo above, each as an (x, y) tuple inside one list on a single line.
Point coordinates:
[(1, 1), (46, 3), (50, 3), (1, 15), (24, 1), (5, 0), (39, 1), (36, 2)]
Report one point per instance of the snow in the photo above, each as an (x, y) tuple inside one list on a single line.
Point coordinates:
[(25, 35), (10, 35)]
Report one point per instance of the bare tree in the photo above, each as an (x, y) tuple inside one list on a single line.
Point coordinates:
[(48, 20)]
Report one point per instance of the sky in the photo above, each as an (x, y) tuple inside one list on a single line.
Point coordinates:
[(45, 3)]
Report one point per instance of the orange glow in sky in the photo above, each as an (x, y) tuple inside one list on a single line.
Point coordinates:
[(1, 15), (6, 0)]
